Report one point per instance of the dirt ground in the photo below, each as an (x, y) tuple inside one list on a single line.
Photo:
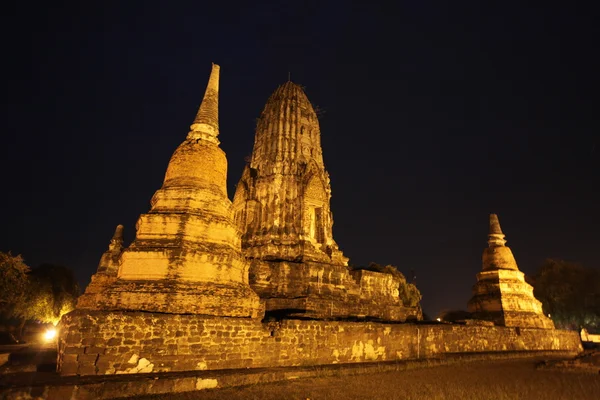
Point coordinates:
[(517, 379)]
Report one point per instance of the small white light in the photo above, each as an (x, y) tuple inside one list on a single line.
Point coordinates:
[(50, 334), (548, 315), (439, 320)]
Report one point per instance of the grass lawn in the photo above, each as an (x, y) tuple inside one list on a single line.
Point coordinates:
[(517, 379)]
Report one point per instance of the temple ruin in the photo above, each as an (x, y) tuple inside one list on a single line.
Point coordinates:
[(190, 292), (282, 207), (501, 294)]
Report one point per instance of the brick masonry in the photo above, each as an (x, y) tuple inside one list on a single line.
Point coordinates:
[(100, 342)]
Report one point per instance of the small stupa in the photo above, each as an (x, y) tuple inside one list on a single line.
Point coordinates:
[(186, 257), (501, 294), (106, 274)]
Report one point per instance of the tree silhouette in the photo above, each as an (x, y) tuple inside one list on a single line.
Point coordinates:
[(42, 294), (570, 293)]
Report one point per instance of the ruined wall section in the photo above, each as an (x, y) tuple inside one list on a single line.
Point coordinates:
[(377, 287), (318, 290), (97, 342)]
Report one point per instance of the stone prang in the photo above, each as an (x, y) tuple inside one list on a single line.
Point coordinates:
[(282, 201), (282, 207)]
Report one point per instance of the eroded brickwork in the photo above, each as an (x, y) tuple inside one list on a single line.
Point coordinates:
[(282, 201), (186, 256), (282, 207), (183, 296), (319, 290), (99, 342)]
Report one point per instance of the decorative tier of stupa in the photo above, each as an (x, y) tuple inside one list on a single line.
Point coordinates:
[(186, 257), (501, 294), (282, 207)]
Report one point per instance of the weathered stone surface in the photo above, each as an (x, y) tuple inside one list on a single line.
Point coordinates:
[(318, 290), (501, 294), (186, 257), (109, 263), (223, 343), (107, 270), (282, 200), (282, 207), (183, 295)]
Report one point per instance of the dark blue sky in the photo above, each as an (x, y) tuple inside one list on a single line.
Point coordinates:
[(434, 116)]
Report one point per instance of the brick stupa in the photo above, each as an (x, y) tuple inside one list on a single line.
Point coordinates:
[(186, 257), (501, 294), (282, 207)]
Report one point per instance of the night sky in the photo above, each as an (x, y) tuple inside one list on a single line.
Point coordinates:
[(434, 115)]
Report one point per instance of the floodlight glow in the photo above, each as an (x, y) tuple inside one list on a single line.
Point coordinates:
[(50, 334)]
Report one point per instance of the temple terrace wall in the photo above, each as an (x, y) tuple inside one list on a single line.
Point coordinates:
[(100, 342)]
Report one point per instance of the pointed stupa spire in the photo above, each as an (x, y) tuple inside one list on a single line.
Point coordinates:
[(495, 237), (206, 123), (186, 257)]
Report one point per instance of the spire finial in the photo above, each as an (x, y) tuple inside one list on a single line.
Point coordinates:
[(495, 237), (206, 123)]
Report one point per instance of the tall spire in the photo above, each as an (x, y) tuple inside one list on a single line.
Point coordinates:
[(495, 237), (206, 123), (288, 135), (282, 202)]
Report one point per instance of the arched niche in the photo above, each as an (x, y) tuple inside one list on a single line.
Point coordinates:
[(314, 209)]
